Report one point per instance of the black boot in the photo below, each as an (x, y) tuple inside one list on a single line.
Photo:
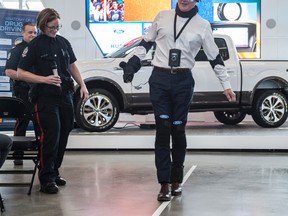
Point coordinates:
[(176, 189), (164, 194), (176, 180)]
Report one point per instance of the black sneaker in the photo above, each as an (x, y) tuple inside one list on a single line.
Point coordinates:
[(60, 181), (49, 188)]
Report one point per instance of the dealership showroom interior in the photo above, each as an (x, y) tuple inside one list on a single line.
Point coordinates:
[(201, 129)]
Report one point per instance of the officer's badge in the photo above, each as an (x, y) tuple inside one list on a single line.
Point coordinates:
[(25, 52)]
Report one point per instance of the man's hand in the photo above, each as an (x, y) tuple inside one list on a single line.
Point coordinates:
[(230, 95), (128, 72)]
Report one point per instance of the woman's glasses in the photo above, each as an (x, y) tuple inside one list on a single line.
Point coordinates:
[(54, 27)]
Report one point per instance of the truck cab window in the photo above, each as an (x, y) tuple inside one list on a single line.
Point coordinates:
[(223, 50)]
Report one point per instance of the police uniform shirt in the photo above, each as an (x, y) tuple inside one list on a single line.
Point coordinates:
[(42, 54), (43, 51), (14, 55), (14, 58), (197, 33)]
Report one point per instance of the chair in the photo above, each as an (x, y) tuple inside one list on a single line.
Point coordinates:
[(5, 147), (11, 107), (1, 204)]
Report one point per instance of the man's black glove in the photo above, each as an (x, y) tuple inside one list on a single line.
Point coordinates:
[(129, 68), (128, 72)]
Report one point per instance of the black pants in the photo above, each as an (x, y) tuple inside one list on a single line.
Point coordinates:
[(21, 124), (55, 121), (171, 96)]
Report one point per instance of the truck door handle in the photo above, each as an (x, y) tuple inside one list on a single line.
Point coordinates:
[(118, 68)]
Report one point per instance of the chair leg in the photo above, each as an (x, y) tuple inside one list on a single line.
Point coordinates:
[(33, 176), (1, 204)]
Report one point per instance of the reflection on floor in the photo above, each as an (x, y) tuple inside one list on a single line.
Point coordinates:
[(123, 183)]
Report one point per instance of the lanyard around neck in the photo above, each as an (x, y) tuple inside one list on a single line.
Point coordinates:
[(181, 30)]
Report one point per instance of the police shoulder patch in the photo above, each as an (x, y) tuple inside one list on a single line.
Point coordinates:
[(24, 52), (9, 56)]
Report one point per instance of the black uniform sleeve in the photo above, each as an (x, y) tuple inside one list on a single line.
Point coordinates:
[(13, 58), (28, 57), (70, 50), (146, 45), (217, 61)]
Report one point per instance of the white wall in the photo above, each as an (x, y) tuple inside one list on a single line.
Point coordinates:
[(274, 41)]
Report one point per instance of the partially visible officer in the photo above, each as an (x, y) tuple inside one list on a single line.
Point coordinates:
[(179, 35), (5, 147), (53, 62), (20, 88)]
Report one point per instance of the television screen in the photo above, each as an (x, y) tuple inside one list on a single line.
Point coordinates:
[(240, 35)]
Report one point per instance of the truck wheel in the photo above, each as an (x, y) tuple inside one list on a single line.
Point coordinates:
[(99, 113), (229, 117), (269, 109)]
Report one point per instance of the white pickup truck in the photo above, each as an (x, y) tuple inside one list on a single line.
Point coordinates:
[(260, 87)]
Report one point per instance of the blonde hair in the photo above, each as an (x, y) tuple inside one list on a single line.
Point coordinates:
[(45, 16)]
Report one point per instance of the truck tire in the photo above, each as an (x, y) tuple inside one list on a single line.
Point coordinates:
[(269, 109), (99, 113), (229, 117)]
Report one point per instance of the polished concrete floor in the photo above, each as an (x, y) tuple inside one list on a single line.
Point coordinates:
[(123, 183)]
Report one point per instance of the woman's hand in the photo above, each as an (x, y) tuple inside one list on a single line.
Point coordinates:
[(53, 80)]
